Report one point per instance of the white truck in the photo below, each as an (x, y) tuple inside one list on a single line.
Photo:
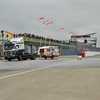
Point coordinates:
[(15, 50), (48, 52)]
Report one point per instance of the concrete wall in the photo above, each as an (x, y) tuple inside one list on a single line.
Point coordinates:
[(90, 53)]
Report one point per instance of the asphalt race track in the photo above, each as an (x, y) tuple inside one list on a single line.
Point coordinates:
[(62, 78)]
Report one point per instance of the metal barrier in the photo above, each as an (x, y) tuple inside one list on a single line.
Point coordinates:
[(69, 52)]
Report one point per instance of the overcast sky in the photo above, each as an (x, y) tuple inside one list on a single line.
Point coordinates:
[(78, 16)]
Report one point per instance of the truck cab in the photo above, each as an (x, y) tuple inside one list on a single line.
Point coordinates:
[(15, 50)]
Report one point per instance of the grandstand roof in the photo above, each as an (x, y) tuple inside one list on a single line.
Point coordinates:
[(85, 34)]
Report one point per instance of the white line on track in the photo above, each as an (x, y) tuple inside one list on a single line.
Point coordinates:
[(21, 73), (30, 71)]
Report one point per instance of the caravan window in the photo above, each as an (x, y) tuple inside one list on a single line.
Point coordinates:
[(48, 50), (52, 49)]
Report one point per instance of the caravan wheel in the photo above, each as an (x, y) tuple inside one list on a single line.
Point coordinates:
[(45, 57), (52, 57)]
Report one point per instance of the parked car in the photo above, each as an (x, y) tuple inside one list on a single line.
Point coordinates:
[(35, 52)]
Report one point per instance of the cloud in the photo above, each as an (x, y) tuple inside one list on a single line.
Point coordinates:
[(79, 16)]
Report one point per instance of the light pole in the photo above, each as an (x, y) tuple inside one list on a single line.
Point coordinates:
[(49, 39), (40, 41), (2, 42), (61, 37)]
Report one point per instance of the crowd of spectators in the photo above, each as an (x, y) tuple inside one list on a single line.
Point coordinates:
[(39, 37)]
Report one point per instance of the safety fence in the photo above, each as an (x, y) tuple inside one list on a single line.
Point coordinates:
[(47, 42), (64, 52)]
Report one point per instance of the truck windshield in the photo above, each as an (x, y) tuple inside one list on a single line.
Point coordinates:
[(9, 47)]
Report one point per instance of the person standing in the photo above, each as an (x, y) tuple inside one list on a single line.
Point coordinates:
[(83, 53)]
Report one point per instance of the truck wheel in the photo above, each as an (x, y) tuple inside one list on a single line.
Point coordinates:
[(34, 57), (9, 59), (20, 57), (45, 57)]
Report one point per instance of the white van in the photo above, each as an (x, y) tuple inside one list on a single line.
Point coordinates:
[(48, 51)]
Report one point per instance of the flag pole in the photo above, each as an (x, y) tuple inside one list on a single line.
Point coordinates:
[(50, 34), (49, 39), (44, 31), (41, 18), (51, 29), (61, 40), (61, 36), (41, 32)]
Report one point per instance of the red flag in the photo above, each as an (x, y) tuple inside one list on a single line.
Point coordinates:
[(61, 28), (69, 33), (40, 18), (45, 21), (49, 23), (73, 33)]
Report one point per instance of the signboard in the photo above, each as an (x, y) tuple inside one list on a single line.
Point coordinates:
[(80, 39)]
